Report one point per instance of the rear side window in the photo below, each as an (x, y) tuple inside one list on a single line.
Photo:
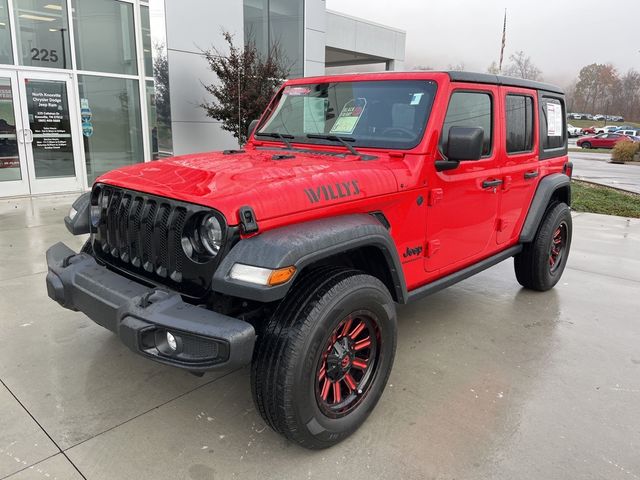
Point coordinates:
[(553, 122), (519, 111), (469, 109)]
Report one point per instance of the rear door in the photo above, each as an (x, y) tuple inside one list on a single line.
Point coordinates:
[(463, 202), (520, 164)]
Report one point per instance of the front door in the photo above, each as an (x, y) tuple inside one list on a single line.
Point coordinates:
[(463, 202), (14, 178), (49, 127), (39, 149)]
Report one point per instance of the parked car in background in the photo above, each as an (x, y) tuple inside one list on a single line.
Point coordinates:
[(603, 140), (606, 129), (628, 133), (575, 116), (573, 131), (589, 130), (627, 127), (598, 117)]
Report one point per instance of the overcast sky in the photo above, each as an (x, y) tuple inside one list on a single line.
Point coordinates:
[(561, 36)]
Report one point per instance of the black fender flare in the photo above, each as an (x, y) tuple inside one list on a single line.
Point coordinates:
[(301, 245), (546, 188)]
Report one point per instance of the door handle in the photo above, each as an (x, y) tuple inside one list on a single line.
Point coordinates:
[(530, 175), (491, 183)]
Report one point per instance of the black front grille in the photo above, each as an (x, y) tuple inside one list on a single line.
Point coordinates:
[(142, 234)]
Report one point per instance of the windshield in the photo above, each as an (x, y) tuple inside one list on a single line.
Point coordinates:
[(381, 114)]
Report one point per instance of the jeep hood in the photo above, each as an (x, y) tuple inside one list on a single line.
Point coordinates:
[(270, 181)]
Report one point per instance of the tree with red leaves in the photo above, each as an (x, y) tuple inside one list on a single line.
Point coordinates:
[(246, 82)]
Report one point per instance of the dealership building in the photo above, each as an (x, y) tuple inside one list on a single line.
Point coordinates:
[(91, 85)]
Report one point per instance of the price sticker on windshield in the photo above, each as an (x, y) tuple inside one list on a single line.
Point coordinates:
[(349, 117)]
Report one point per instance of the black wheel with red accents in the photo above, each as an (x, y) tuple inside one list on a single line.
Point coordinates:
[(348, 364), (541, 263), (324, 358)]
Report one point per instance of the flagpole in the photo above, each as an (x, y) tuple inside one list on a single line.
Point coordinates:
[(504, 41)]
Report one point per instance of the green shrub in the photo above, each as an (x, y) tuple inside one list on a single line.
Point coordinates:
[(625, 151)]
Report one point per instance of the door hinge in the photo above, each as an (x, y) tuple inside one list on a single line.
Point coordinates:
[(432, 247), (435, 196)]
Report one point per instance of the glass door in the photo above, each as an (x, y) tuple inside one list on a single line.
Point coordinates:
[(50, 123), (14, 179)]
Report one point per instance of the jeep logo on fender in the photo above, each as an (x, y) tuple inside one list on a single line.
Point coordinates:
[(412, 251), (332, 191)]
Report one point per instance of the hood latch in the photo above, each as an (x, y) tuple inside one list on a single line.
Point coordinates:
[(248, 220)]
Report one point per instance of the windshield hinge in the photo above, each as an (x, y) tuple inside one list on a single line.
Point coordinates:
[(248, 220)]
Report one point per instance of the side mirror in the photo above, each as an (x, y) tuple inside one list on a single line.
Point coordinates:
[(252, 127), (465, 143)]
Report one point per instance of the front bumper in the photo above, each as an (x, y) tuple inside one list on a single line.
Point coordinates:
[(141, 316)]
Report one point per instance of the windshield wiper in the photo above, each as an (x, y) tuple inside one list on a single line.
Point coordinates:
[(280, 136), (335, 138)]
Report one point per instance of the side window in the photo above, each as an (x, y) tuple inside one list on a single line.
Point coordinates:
[(469, 109), (553, 123), (519, 110)]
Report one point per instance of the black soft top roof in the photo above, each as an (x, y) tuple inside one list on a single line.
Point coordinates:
[(471, 77)]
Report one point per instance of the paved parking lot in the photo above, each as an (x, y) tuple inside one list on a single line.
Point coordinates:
[(594, 167), (490, 381)]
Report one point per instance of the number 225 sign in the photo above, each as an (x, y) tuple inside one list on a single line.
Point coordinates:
[(44, 55)]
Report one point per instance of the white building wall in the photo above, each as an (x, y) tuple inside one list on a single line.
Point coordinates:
[(314, 37), (190, 29), (363, 38)]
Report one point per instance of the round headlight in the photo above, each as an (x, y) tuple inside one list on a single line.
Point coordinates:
[(210, 233)]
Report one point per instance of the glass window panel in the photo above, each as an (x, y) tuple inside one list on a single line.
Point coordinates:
[(519, 110), (6, 55), (48, 109), (553, 113), (9, 158), (43, 33), (153, 119), (104, 36), (113, 135), (286, 24), (146, 41), (255, 24), (469, 109)]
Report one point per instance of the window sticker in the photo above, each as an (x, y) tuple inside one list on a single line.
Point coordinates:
[(415, 98), (297, 91), (349, 116), (554, 120)]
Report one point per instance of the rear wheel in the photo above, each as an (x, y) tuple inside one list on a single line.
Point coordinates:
[(325, 356), (586, 145), (540, 264)]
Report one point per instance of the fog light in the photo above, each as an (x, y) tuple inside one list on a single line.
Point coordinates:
[(172, 342)]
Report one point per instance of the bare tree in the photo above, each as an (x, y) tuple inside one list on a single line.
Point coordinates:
[(423, 67), (458, 67), (521, 66), (493, 68)]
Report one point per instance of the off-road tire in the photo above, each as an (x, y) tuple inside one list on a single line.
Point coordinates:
[(292, 345), (533, 265)]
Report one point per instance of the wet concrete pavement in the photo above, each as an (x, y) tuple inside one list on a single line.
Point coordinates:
[(490, 381), (594, 167)]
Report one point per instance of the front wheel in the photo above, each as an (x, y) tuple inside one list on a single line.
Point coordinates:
[(540, 264), (586, 145), (325, 356)]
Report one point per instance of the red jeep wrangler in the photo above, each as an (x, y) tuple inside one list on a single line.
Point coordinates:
[(353, 193)]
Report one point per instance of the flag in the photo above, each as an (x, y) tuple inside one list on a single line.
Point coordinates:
[(504, 41)]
